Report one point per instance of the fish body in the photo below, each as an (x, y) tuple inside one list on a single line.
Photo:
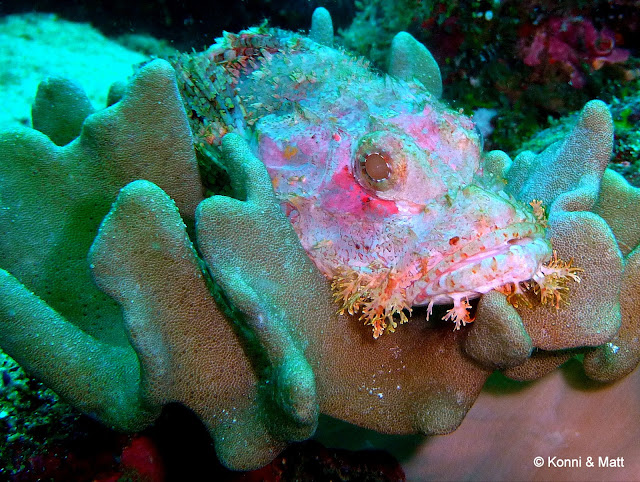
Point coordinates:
[(382, 182)]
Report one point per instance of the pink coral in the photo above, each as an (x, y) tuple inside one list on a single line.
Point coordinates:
[(571, 42)]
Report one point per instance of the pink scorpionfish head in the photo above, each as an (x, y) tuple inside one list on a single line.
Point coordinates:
[(387, 201)]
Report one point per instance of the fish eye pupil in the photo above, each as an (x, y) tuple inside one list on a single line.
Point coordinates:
[(377, 167)]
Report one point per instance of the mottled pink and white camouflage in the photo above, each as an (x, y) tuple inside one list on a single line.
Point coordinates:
[(381, 182)]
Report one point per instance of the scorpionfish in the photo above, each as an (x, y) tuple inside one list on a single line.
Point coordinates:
[(382, 183)]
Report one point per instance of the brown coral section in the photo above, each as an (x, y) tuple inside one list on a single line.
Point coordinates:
[(500, 340), (618, 205), (511, 424)]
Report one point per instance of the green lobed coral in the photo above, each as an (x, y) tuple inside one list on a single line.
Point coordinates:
[(626, 146)]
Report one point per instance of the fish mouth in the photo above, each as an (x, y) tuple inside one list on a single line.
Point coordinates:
[(509, 255)]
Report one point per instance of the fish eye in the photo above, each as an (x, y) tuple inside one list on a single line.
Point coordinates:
[(379, 161), (375, 169), (376, 166)]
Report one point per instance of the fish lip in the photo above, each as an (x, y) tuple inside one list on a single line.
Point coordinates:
[(490, 245), (498, 240), (496, 250)]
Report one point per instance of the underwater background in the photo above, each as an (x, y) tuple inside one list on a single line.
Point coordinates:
[(523, 70)]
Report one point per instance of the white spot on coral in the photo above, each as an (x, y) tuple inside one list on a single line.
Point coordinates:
[(614, 348)]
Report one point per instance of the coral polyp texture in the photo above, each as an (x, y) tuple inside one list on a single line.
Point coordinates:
[(124, 287)]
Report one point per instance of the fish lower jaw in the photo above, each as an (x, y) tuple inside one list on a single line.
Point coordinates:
[(510, 263)]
